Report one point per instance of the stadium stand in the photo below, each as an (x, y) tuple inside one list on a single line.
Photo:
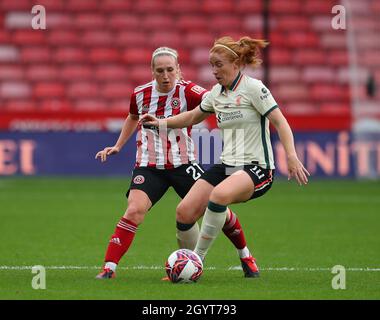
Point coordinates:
[(94, 52)]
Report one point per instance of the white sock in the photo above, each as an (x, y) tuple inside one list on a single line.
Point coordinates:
[(213, 222), (243, 253), (188, 239), (110, 265)]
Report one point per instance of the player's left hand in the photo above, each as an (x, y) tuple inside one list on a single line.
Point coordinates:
[(297, 170)]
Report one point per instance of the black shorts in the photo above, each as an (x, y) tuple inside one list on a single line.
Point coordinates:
[(262, 178), (155, 182)]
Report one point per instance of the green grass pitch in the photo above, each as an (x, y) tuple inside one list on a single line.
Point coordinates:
[(296, 233)]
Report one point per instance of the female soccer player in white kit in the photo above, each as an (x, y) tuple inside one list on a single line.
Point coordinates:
[(243, 107), (162, 160)]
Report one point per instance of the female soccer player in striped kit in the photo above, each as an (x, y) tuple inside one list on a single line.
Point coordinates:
[(163, 159), (243, 107)]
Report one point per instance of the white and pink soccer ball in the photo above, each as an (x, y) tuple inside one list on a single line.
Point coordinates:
[(184, 266)]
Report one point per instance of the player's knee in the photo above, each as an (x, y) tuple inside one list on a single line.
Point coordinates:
[(220, 196), (185, 213), (135, 214)]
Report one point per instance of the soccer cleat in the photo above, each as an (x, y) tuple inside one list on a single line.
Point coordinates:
[(106, 274), (250, 268)]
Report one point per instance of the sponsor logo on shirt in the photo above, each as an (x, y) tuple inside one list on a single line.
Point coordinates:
[(198, 89), (265, 92)]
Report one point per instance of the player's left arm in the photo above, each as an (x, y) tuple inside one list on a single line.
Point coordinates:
[(295, 167)]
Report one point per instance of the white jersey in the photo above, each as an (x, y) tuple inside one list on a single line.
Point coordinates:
[(241, 114), (171, 148)]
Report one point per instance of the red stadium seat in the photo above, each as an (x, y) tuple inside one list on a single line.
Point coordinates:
[(192, 23), (318, 7), (52, 5), (280, 56), (90, 21), (140, 74), (124, 21), (183, 6), (166, 39), (329, 92), (15, 90), (111, 72), (90, 105), (284, 74), (189, 73), (280, 6), (88, 89), (334, 40), (200, 56), (70, 55), (335, 108), (11, 72), (63, 37), (338, 58), (198, 39), (37, 72), (8, 53), (9, 5), (4, 36), (309, 57), (20, 105), (253, 23), (300, 108), (291, 92), (251, 6), (59, 21), (150, 6), (217, 6), (293, 22), (49, 90), (35, 54), (115, 5), (29, 37), (321, 23), (117, 90), (52, 104), (318, 74), (104, 55), (97, 38), (153, 22), (225, 22), (83, 5), (303, 39), (137, 55), (76, 72), (131, 39)]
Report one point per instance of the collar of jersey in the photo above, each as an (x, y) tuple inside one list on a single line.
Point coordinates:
[(234, 84)]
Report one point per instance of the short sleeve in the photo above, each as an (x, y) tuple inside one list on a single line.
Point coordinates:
[(261, 98), (194, 95), (133, 105), (207, 104)]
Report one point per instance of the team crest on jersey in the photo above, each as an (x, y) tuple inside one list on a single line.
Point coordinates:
[(175, 103), (145, 108), (238, 100), (139, 179), (197, 89)]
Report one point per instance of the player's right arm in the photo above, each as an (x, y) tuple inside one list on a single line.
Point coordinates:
[(182, 120), (129, 126)]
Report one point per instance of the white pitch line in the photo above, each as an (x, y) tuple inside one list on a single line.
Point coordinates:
[(308, 269)]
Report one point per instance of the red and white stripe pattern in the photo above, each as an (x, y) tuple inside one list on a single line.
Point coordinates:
[(126, 226), (265, 183), (174, 147)]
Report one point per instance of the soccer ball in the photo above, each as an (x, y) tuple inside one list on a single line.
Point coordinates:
[(184, 266)]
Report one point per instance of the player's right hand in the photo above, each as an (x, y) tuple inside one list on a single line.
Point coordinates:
[(107, 152)]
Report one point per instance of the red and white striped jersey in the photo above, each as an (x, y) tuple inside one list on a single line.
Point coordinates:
[(169, 148)]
